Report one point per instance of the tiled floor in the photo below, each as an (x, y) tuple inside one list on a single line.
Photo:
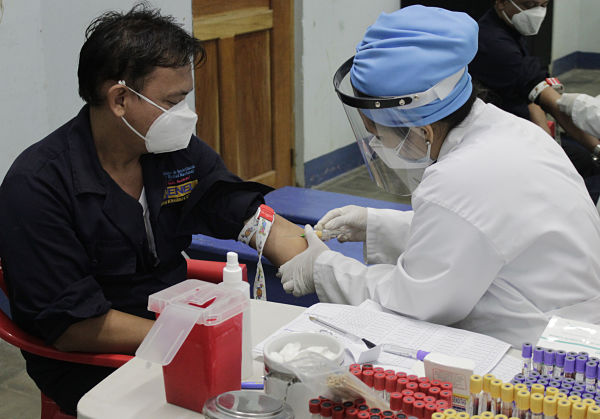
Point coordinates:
[(19, 397)]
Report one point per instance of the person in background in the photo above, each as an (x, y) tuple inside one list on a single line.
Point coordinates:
[(502, 234), (515, 81), (94, 217)]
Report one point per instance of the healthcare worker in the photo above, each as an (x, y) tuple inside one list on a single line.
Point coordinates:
[(502, 235), (585, 112)]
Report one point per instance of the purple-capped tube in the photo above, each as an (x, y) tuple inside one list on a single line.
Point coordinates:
[(593, 358), (573, 354), (534, 373), (538, 358), (559, 363), (543, 381), (554, 383), (548, 362), (569, 372), (591, 369), (578, 387), (563, 390), (588, 396), (567, 386), (583, 353), (568, 380), (575, 393), (597, 399), (526, 352), (598, 381), (580, 368)]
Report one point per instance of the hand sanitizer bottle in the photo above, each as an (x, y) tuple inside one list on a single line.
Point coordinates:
[(232, 278)]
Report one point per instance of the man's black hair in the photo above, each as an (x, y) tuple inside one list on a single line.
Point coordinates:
[(128, 46), (447, 123)]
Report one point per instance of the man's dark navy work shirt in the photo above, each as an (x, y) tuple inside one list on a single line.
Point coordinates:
[(73, 243), (504, 66)]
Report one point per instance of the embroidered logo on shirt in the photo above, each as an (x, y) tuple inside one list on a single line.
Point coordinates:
[(179, 185)]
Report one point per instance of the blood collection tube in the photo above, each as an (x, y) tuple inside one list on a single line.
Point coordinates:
[(563, 409), (401, 374), (338, 412), (357, 373), (437, 415), (446, 396), (412, 385), (496, 392), (434, 392), (593, 412), (538, 357), (363, 415), (367, 366), (413, 378), (578, 411), (424, 387), (590, 376), (583, 353), (314, 407), (573, 398), (475, 387), (407, 405), (407, 392), (486, 397), (500, 417), (441, 405), (419, 395), (536, 405), (507, 396), (551, 391), (569, 368), (548, 362), (518, 387), (578, 387), (522, 405), (401, 383), (387, 414), (450, 413), (378, 369), (390, 372), (355, 366), (446, 385), (375, 411), (351, 413), (419, 409), (559, 363), (390, 385), (359, 401), (368, 377), (430, 409), (487, 415), (598, 381), (429, 400), (580, 368), (401, 416), (435, 382), (347, 404), (549, 407), (396, 402), (379, 384), (326, 409), (537, 389), (526, 351)]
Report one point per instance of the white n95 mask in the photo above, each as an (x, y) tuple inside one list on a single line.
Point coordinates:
[(528, 21), (171, 131)]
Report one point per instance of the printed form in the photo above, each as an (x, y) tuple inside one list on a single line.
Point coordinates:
[(387, 328)]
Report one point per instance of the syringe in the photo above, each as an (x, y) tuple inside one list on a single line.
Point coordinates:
[(326, 235)]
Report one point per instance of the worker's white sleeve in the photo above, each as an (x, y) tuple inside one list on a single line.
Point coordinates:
[(387, 234), (447, 267), (583, 109)]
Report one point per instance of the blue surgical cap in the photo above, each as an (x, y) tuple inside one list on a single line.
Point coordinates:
[(409, 51)]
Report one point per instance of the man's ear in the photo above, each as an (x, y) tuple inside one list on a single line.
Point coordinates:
[(116, 99)]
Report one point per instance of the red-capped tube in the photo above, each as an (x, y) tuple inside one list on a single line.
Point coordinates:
[(424, 387), (412, 378), (347, 404), (401, 374), (355, 366), (400, 416), (390, 372), (363, 415), (367, 367), (401, 384), (429, 410), (357, 374), (419, 395), (396, 402), (423, 380), (435, 383), (378, 369), (412, 386), (358, 402), (407, 405), (314, 406), (375, 411), (429, 400), (446, 386), (390, 383), (419, 409), (338, 412), (446, 396), (434, 392), (367, 377), (387, 414), (407, 392), (351, 413), (363, 407), (326, 409), (442, 404), (379, 381)]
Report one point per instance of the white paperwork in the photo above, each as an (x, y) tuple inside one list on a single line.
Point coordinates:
[(381, 328)]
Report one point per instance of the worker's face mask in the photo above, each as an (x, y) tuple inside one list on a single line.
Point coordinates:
[(171, 131), (528, 21)]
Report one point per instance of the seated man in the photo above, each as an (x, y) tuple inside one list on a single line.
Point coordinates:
[(94, 217), (515, 81)]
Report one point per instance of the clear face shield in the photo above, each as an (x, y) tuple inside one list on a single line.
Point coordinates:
[(396, 154)]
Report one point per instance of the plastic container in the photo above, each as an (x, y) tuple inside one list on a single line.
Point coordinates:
[(246, 404), (280, 382), (198, 340), (232, 279)]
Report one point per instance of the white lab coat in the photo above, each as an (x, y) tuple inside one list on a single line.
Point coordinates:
[(503, 235), (584, 110)]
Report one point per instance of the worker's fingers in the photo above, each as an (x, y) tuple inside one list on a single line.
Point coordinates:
[(336, 212)]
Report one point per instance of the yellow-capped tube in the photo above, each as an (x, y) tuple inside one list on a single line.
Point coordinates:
[(475, 388), (549, 408)]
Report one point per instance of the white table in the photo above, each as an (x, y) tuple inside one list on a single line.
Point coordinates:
[(137, 390)]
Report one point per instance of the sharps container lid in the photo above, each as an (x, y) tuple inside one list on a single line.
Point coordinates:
[(246, 404)]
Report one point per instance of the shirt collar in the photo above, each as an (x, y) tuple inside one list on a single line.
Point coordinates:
[(88, 175), (456, 134)]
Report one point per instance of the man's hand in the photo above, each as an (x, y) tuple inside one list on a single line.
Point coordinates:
[(297, 274), (351, 220)]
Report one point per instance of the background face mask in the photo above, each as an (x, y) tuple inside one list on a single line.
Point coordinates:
[(171, 131), (527, 22)]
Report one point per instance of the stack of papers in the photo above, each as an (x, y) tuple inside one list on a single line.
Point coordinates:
[(381, 328)]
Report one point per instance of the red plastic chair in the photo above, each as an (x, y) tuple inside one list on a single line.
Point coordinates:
[(197, 269)]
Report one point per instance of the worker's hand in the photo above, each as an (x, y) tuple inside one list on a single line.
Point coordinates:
[(350, 220), (565, 102), (297, 273)]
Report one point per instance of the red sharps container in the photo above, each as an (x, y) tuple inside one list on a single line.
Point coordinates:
[(198, 340)]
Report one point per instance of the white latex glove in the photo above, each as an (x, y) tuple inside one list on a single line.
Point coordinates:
[(297, 273), (350, 220)]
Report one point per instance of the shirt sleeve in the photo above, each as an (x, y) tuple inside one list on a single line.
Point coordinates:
[(387, 234), (221, 202), (446, 268), (47, 268)]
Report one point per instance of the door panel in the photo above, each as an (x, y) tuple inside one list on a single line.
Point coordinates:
[(244, 91)]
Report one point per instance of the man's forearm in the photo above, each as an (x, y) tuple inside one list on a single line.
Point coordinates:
[(284, 241), (113, 332), (548, 99), (538, 117)]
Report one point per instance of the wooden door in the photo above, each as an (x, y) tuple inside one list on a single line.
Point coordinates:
[(244, 91)]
